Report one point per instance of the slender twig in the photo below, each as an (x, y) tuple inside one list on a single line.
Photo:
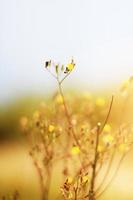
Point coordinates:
[(91, 194), (64, 102), (108, 114), (114, 175), (100, 167), (75, 191), (113, 154), (107, 172), (92, 185), (40, 175), (51, 73), (65, 77), (67, 113), (108, 168)]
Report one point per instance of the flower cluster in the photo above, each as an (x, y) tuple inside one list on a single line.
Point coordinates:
[(77, 134), (59, 72)]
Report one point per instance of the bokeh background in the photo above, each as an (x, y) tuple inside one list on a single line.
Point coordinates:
[(98, 34)]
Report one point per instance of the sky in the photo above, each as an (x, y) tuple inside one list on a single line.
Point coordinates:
[(97, 33)]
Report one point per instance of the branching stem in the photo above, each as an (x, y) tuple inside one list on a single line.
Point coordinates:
[(67, 113)]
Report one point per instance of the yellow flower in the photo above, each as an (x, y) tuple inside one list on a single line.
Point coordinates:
[(70, 66), (59, 99), (75, 150), (85, 179), (69, 180), (70, 195), (100, 102), (107, 139), (51, 128), (100, 149), (107, 128)]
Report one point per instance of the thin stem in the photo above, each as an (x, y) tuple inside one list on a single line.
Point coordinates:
[(107, 171), (51, 73), (41, 179), (67, 113), (65, 77), (108, 114), (64, 103), (99, 131), (100, 167), (40, 175), (76, 191), (114, 175), (92, 186)]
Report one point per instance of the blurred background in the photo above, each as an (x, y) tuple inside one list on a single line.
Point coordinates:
[(97, 34)]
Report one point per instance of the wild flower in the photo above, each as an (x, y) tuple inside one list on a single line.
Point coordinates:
[(100, 101), (75, 150), (108, 139), (69, 180), (70, 66), (107, 128), (77, 133), (51, 128)]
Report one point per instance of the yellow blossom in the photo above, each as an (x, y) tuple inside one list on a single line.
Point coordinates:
[(75, 150), (51, 128), (107, 139), (100, 149), (70, 66), (107, 128), (85, 179), (70, 195), (69, 180), (100, 102)]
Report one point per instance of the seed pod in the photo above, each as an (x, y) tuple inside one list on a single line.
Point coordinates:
[(47, 64), (57, 69)]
